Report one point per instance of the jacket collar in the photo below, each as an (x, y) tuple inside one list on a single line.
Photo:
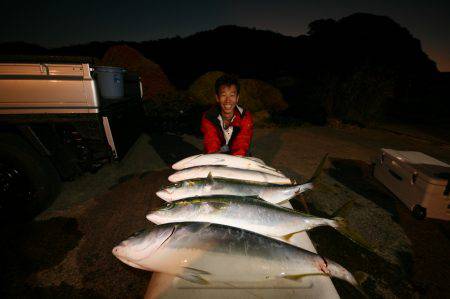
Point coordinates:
[(214, 112)]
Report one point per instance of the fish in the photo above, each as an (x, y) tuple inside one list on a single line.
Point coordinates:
[(250, 214), (275, 194), (210, 186), (226, 160), (203, 253), (224, 172)]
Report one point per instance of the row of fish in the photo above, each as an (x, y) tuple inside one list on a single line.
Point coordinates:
[(223, 177), (221, 224)]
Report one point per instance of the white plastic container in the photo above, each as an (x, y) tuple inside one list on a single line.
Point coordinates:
[(169, 287), (110, 81), (421, 182)]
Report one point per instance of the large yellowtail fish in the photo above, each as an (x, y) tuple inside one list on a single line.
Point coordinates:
[(204, 252)]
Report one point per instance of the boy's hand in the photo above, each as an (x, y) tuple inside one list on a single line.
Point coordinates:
[(224, 149)]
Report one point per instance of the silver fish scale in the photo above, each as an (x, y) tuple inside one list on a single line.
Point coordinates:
[(248, 213), (233, 187), (232, 241)]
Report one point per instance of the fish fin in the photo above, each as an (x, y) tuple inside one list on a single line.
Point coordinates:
[(304, 187), (296, 277), (343, 228), (196, 226), (360, 278), (210, 177), (289, 236), (271, 199), (319, 169), (194, 278), (343, 210), (195, 271), (274, 202)]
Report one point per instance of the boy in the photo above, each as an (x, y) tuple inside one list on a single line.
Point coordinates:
[(227, 127)]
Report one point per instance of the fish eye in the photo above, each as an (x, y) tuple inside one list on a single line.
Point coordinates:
[(168, 206), (177, 185)]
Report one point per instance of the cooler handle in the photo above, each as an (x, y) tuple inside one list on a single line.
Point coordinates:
[(414, 178), (447, 188), (395, 175)]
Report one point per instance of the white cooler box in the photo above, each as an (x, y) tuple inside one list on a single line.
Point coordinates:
[(421, 182)]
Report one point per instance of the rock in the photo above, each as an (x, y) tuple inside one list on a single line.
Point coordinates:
[(260, 95), (365, 217), (202, 90), (334, 123), (255, 95), (154, 80), (261, 118)]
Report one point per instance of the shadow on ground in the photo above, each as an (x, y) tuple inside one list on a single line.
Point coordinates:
[(172, 148), (420, 275), (31, 247), (116, 215), (268, 146), (43, 246), (377, 276), (357, 176), (71, 256)]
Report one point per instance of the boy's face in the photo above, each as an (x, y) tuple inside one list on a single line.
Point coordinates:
[(227, 98)]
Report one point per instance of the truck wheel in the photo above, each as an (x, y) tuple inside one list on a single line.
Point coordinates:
[(28, 181), (419, 212)]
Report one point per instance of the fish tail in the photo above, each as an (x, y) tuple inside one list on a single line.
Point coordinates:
[(303, 187), (343, 210), (341, 225), (310, 183), (336, 270), (318, 169)]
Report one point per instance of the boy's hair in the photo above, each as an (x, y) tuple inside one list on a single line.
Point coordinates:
[(227, 80)]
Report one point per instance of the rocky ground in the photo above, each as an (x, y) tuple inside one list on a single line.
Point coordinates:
[(66, 250)]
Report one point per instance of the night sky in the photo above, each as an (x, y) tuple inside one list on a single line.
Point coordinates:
[(62, 22)]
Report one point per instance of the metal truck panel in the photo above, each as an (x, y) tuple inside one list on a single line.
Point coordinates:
[(47, 88), (16, 69)]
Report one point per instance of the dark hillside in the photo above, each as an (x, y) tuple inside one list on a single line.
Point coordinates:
[(362, 68)]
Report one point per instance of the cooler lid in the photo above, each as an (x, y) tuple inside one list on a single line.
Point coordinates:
[(428, 168)]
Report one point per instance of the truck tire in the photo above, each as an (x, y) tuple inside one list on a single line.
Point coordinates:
[(419, 212), (28, 180)]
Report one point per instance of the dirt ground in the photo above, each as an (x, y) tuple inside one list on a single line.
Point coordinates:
[(66, 250)]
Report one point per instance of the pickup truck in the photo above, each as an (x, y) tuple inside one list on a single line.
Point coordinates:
[(56, 123)]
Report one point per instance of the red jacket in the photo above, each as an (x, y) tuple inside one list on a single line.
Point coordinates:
[(241, 137)]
